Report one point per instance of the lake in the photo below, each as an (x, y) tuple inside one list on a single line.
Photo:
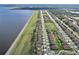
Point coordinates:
[(11, 23)]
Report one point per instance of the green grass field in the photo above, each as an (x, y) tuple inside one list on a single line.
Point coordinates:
[(50, 26), (23, 45)]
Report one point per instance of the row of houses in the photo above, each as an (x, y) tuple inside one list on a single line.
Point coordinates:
[(70, 33), (71, 23), (39, 42)]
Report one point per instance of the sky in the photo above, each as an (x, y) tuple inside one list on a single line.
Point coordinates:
[(39, 1)]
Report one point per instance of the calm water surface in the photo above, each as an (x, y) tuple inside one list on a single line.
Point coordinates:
[(11, 23)]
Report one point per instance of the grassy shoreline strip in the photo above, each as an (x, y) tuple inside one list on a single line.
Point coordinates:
[(22, 43)]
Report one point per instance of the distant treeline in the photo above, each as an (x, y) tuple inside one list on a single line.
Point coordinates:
[(43, 8)]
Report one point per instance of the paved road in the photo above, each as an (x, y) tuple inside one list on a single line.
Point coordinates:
[(65, 52)]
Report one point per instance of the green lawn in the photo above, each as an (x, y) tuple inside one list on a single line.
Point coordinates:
[(58, 42), (50, 26), (23, 45)]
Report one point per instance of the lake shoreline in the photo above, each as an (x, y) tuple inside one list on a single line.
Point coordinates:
[(17, 38)]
